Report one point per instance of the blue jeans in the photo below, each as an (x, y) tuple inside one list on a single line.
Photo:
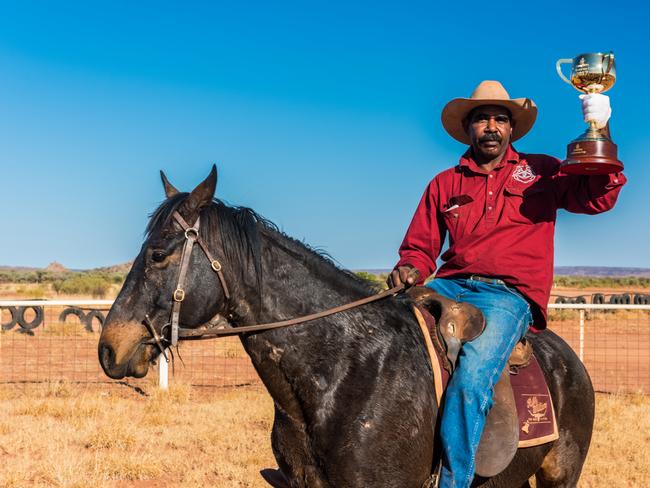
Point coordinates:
[(469, 394)]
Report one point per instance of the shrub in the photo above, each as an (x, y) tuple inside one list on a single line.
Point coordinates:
[(84, 284), (377, 281), (601, 282)]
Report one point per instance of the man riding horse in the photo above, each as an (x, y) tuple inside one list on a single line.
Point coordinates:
[(498, 207)]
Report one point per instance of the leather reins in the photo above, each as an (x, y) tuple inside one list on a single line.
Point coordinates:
[(181, 333)]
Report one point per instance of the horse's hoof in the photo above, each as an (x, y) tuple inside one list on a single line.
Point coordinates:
[(275, 478)]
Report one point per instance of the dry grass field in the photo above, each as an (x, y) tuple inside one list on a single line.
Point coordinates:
[(34, 291), (87, 432), (57, 435)]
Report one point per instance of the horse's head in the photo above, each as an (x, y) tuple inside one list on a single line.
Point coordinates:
[(155, 287)]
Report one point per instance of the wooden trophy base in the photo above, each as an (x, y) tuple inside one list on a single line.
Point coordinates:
[(591, 156)]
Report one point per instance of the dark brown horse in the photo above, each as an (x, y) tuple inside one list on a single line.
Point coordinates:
[(353, 393)]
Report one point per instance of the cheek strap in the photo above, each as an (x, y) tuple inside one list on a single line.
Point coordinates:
[(191, 234)]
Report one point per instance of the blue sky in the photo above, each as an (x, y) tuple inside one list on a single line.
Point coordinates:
[(322, 116)]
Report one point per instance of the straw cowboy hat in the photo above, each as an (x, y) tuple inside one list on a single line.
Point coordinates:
[(523, 110)]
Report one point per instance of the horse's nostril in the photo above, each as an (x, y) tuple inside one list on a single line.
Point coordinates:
[(106, 356)]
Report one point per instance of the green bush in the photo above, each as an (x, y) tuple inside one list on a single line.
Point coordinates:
[(85, 285), (93, 284), (601, 282), (377, 281), (366, 276)]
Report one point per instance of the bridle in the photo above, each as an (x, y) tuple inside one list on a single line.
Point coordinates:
[(223, 328)]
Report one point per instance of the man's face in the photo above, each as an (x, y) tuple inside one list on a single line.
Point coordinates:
[(489, 128)]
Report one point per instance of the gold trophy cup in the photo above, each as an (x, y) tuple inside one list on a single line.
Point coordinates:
[(592, 153)]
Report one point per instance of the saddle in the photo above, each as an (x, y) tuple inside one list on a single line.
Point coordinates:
[(522, 412)]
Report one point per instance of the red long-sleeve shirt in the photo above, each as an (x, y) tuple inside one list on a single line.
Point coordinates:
[(506, 231)]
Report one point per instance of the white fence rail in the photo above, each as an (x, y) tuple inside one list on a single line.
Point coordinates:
[(53, 303), (613, 341)]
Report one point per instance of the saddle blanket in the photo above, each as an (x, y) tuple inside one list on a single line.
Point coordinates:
[(537, 421)]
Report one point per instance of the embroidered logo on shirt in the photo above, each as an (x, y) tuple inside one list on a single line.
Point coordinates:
[(523, 174)]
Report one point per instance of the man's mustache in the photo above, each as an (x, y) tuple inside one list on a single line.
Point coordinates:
[(491, 136)]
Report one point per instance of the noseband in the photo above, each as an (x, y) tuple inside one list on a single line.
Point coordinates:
[(180, 333)]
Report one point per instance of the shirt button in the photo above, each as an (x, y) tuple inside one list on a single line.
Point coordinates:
[(489, 208), (615, 180), (489, 193), (491, 176)]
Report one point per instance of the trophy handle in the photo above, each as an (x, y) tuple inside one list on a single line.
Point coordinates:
[(610, 62), (558, 67)]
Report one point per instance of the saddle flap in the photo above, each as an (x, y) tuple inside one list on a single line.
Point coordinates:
[(522, 414), (501, 432)]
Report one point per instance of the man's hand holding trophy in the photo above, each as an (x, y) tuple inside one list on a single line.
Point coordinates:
[(593, 152)]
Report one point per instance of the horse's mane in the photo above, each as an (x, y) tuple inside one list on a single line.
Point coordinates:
[(239, 232)]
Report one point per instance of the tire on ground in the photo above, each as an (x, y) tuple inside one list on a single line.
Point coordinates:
[(77, 312), (88, 320), (14, 318), (31, 324), (580, 299), (560, 300), (625, 299), (615, 299), (598, 298)]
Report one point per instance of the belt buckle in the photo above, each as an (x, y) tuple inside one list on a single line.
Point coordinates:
[(484, 279)]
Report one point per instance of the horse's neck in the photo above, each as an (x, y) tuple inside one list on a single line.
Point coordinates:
[(302, 357), (298, 282)]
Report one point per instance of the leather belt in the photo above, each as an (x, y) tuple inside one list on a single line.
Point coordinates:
[(484, 279)]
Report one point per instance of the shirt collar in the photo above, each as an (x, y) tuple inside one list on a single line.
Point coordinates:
[(467, 161)]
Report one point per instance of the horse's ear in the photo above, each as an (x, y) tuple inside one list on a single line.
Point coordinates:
[(203, 194), (170, 190)]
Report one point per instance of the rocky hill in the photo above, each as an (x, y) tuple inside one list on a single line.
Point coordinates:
[(56, 267)]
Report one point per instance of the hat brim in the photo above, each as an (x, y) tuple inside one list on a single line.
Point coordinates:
[(523, 111)]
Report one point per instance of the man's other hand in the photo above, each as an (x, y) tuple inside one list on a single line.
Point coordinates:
[(407, 274)]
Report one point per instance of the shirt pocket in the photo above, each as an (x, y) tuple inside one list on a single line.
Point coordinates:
[(529, 204), (456, 219), (452, 219)]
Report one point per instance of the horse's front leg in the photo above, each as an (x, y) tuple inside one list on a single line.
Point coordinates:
[(291, 449)]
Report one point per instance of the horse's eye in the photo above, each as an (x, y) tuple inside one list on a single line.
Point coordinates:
[(158, 256)]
